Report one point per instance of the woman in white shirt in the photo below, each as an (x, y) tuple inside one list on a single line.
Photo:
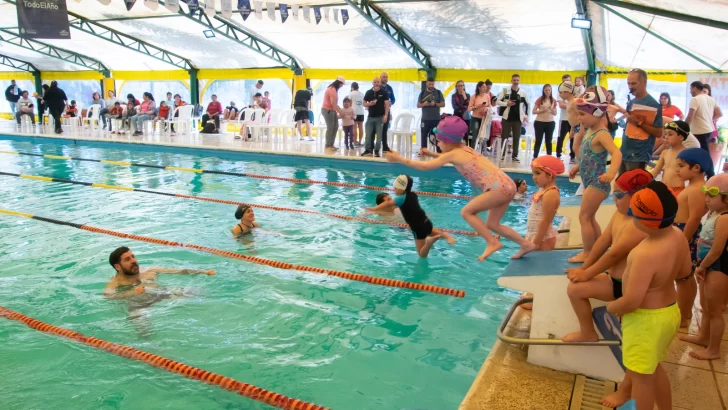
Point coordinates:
[(544, 126), (357, 102)]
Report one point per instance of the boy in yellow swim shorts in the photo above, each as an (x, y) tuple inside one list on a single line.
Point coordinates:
[(650, 315)]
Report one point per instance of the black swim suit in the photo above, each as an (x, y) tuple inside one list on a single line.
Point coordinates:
[(616, 288)]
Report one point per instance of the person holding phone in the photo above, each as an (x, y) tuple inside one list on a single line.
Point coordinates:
[(430, 100), (544, 125), (513, 102), (479, 106)]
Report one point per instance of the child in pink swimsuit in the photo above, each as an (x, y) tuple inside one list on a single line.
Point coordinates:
[(498, 189)]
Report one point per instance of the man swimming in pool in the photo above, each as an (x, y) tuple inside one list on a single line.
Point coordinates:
[(128, 275)]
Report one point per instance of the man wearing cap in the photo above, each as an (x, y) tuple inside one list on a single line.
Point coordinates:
[(377, 102), (302, 104), (430, 100), (515, 113), (329, 110), (566, 93), (390, 95), (609, 254), (644, 123)]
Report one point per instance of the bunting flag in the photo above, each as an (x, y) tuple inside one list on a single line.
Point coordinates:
[(344, 16), (194, 5), (307, 14), (151, 4), (271, 9), (258, 9), (294, 11), (336, 16), (226, 6), (172, 5), (317, 14), (209, 7), (244, 8), (129, 4), (284, 12), (106, 2), (326, 14)]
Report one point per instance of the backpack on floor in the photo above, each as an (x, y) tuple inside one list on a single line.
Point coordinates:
[(209, 128)]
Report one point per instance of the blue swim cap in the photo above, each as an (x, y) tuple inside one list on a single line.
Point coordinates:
[(700, 157)]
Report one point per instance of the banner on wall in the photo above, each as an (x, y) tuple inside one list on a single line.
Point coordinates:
[(344, 16), (226, 7), (43, 19), (284, 12), (171, 5), (718, 89), (244, 8), (317, 14), (271, 9)]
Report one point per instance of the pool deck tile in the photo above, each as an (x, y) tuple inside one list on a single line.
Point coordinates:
[(692, 388)]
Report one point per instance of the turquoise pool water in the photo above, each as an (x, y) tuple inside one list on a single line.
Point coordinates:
[(340, 344)]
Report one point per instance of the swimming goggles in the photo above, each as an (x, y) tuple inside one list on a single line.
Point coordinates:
[(629, 212), (712, 191), (436, 131), (622, 194), (674, 126)]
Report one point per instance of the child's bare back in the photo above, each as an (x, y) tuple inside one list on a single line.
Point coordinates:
[(690, 196), (669, 172)]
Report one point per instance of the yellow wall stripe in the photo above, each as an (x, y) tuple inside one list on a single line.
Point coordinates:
[(160, 75), (119, 188), (37, 178), (16, 75), (4, 211), (183, 169), (56, 156), (120, 163)]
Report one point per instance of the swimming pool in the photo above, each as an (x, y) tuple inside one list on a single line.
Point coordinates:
[(337, 343)]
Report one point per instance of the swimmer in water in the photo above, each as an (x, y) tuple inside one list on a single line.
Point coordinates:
[(390, 209), (128, 275), (247, 221)]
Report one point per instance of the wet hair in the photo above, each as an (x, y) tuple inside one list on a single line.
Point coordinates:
[(380, 197), (518, 182), (115, 256), (241, 211), (354, 85), (669, 101)]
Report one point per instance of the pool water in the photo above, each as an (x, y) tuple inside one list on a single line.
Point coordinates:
[(336, 343)]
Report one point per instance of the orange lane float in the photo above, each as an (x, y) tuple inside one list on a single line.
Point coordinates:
[(247, 390)]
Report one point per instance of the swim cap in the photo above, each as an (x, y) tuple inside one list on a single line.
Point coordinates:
[(403, 182), (241, 211), (698, 156), (550, 165), (451, 130), (720, 181), (518, 182), (634, 180), (566, 87), (654, 206), (681, 127), (593, 102)]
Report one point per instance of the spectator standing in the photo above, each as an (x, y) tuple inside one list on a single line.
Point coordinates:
[(707, 90), (513, 102), (384, 78), (329, 110), (302, 104), (145, 112), (377, 102), (55, 99), (639, 137), (460, 101), (357, 102), (214, 110), (430, 100), (255, 89), (669, 110), (612, 111), (544, 108), (566, 94), (24, 107), (12, 95), (703, 111), (479, 105)]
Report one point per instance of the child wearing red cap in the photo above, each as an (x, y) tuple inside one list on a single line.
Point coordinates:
[(595, 147), (650, 316), (498, 188), (712, 272)]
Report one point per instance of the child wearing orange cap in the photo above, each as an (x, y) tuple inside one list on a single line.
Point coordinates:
[(609, 254), (650, 316), (667, 164), (595, 147), (693, 165), (544, 203), (712, 272)]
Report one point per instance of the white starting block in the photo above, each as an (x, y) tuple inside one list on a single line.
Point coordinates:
[(542, 274)]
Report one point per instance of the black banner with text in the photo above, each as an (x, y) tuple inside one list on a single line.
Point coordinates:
[(43, 19)]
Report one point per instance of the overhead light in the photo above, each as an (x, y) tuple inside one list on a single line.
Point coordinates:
[(581, 22), (211, 34)]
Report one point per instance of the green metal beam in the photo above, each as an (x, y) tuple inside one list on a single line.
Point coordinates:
[(381, 20), (137, 18), (674, 45), (230, 30), (665, 13), (17, 64), (13, 37), (109, 34), (586, 36)]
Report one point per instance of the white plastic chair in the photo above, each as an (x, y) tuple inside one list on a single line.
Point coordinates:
[(402, 129), (265, 124), (244, 115), (287, 122), (117, 122), (73, 122), (92, 117), (320, 128), (184, 118)]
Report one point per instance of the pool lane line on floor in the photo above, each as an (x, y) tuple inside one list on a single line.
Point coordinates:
[(226, 383), (227, 202), (458, 293), (237, 174)]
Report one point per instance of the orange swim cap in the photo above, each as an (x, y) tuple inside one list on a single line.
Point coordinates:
[(654, 206), (550, 165), (633, 180)]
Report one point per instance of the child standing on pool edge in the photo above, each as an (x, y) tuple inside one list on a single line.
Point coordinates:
[(544, 203), (595, 147), (498, 188)]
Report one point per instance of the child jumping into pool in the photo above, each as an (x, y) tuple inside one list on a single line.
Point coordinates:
[(712, 271), (595, 147), (650, 316), (409, 204), (247, 221), (498, 188)]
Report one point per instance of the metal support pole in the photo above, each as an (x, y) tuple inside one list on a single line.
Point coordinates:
[(194, 87)]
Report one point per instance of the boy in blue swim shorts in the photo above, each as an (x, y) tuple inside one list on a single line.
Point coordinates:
[(650, 316)]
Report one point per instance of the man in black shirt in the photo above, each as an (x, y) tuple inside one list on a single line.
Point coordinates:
[(513, 102), (377, 102), (55, 99), (302, 103)]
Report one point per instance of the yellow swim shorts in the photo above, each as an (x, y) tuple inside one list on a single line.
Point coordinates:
[(646, 336)]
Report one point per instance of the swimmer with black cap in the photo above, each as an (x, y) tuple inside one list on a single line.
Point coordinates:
[(245, 214), (521, 188), (650, 316)]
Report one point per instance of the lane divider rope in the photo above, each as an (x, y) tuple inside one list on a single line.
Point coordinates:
[(228, 202), (244, 389), (238, 174), (458, 293)]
